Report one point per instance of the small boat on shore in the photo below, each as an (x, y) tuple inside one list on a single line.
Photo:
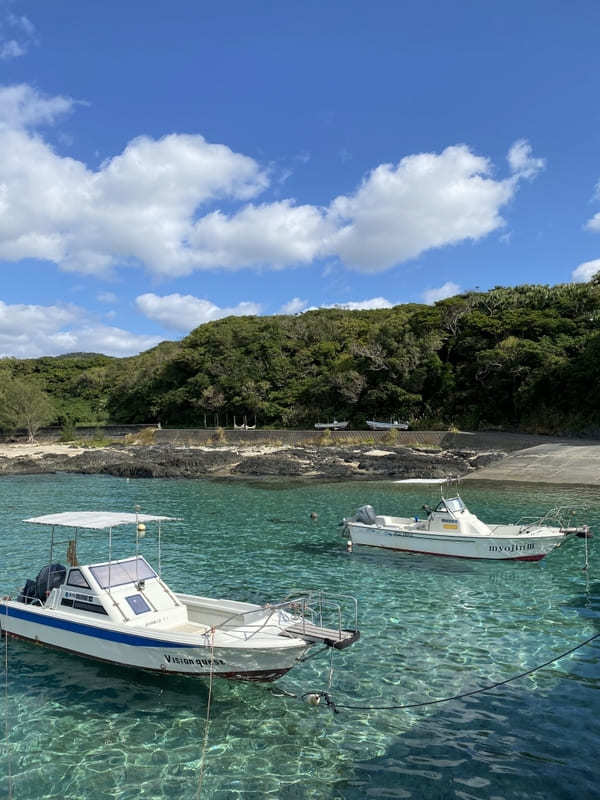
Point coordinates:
[(331, 426), (392, 425), (244, 426), (122, 612), (450, 529)]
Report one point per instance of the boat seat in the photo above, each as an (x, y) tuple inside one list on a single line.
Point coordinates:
[(386, 521), (187, 627)]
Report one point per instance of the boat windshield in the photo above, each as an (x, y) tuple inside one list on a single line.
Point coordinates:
[(122, 572), (452, 504)]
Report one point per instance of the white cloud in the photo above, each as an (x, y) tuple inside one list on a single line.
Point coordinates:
[(22, 24), (10, 48), (274, 234), (109, 340), (363, 305), (593, 224), (28, 331), (24, 36), (425, 201), (521, 162), (294, 306), (160, 204), (185, 312), (449, 289), (586, 271), (351, 305), (137, 208), (18, 320), (21, 106), (107, 297)]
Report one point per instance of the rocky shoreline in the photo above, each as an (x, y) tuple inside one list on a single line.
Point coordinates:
[(359, 462)]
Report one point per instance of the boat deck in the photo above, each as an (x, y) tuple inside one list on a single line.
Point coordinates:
[(329, 636), (189, 627)]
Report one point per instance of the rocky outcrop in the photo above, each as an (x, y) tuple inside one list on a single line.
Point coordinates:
[(314, 462)]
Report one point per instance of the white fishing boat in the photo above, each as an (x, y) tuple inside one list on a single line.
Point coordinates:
[(392, 425), (331, 426), (450, 529), (244, 426), (121, 611)]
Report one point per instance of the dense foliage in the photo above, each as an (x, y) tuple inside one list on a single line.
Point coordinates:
[(524, 358)]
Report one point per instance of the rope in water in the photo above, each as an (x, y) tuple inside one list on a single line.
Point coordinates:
[(6, 726), (205, 741), (336, 706)]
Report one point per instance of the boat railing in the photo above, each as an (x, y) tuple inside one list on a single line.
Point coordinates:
[(31, 600), (558, 516), (309, 608), (294, 604)]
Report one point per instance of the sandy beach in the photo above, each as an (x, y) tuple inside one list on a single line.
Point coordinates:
[(39, 450)]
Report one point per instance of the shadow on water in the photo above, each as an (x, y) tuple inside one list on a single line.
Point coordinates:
[(483, 747), (587, 604), (413, 561)]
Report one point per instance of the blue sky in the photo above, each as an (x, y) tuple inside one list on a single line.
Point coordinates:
[(163, 164)]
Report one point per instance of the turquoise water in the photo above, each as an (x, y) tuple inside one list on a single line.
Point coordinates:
[(431, 627)]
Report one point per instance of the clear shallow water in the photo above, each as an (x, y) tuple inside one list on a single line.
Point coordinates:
[(430, 627)]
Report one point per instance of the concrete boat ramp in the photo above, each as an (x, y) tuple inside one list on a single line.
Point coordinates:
[(559, 462)]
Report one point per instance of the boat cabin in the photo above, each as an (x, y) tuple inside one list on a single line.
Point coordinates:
[(451, 515), (125, 591)]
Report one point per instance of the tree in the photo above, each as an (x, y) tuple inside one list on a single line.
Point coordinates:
[(24, 405)]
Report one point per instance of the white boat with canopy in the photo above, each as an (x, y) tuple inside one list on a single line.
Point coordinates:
[(450, 529), (121, 611)]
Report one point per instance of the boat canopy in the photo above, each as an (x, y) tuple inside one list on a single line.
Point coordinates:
[(96, 520)]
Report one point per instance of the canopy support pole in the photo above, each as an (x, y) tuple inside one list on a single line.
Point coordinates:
[(159, 569)]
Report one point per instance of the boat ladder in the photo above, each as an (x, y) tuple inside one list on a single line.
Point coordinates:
[(314, 608), (336, 638)]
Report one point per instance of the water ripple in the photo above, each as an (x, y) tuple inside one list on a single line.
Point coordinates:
[(430, 628)]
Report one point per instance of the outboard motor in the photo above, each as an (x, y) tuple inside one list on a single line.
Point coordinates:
[(49, 577), (366, 515), (27, 594)]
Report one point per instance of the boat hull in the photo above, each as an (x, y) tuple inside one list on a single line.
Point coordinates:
[(130, 648), (505, 548), (387, 426)]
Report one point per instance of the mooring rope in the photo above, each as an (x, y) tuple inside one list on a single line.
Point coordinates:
[(6, 725), (205, 741), (336, 706)]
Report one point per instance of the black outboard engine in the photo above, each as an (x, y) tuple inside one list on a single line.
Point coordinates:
[(366, 515), (27, 594), (49, 577)]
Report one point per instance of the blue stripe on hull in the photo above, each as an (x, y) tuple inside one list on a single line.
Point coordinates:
[(89, 630)]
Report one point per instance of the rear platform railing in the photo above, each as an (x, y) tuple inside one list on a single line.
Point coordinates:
[(315, 609)]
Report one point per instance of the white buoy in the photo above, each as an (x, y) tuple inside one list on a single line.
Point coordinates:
[(349, 545), (312, 699), (141, 530)]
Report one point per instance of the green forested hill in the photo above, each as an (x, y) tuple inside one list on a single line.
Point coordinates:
[(526, 358)]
